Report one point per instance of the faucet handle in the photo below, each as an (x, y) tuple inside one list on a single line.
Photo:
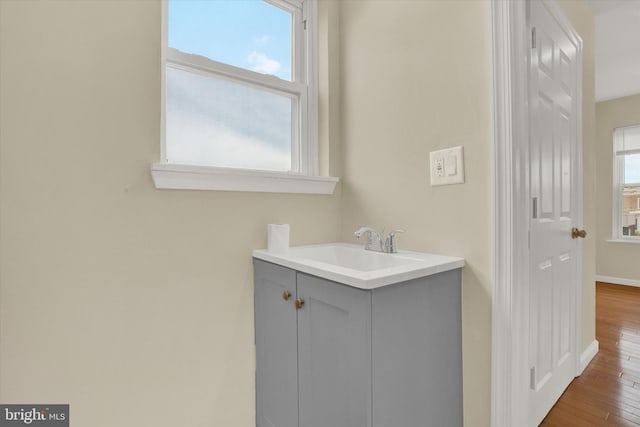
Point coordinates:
[(390, 242)]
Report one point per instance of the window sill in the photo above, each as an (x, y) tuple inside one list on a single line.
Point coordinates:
[(631, 240), (188, 177)]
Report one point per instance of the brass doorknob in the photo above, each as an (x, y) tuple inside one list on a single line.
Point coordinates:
[(286, 295), (575, 233), (299, 303)]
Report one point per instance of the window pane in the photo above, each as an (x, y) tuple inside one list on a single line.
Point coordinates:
[(632, 169), (630, 210), (249, 34), (216, 122)]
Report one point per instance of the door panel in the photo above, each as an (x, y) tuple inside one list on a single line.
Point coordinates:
[(553, 269), (334, 345), (544, 144), (276, 347)]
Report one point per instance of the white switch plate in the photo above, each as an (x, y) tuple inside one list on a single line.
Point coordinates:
[(447, 166)]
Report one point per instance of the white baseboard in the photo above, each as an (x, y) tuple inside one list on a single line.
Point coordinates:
[(618, 281), (588, 354)]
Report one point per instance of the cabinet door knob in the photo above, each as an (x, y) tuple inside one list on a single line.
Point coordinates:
[(286, 295), (299, 303)]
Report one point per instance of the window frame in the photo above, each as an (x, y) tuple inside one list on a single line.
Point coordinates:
[(618, 183), (304, 177)]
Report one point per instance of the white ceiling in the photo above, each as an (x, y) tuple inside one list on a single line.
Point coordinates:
[(617, 48)]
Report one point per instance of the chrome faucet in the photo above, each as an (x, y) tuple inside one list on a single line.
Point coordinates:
[(374, 240)]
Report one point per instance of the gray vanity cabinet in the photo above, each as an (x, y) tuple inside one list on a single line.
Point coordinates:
[(331, 355)]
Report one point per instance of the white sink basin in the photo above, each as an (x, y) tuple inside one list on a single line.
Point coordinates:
[(352, 265), (352, 257)]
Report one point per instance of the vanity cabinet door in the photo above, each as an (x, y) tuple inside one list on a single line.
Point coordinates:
[(417, 353), (276, 346), (334, 354)]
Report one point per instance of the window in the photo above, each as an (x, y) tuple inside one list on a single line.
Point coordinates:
[(626, 221), (239, 95)]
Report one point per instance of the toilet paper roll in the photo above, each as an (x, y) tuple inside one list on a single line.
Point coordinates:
[(278, 237)]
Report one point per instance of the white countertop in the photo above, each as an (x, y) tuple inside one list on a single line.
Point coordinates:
[(354, 266)]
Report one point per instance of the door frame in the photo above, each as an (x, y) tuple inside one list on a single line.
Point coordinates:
[(510, 309)]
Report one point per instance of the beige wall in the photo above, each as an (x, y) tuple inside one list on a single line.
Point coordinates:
[(619, 260), (433, 93), (413, 83), (581, 17), (132, 304), (122, 299)]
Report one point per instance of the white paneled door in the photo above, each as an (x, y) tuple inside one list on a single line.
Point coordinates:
[(554, 115)]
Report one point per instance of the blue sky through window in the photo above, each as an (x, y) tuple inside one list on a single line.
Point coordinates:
[(250, 34)]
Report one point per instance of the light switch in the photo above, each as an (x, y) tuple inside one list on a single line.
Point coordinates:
[(451, 167), (447, 166)]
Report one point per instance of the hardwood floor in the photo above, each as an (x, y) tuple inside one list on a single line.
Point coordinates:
[(608, 391)]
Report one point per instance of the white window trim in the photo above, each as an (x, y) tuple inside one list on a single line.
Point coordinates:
[(626, 239), (188, 177), (618, 168), (194, 177)]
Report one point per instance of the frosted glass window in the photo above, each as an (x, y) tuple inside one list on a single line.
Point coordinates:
[(239, 89), (213, 121)]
